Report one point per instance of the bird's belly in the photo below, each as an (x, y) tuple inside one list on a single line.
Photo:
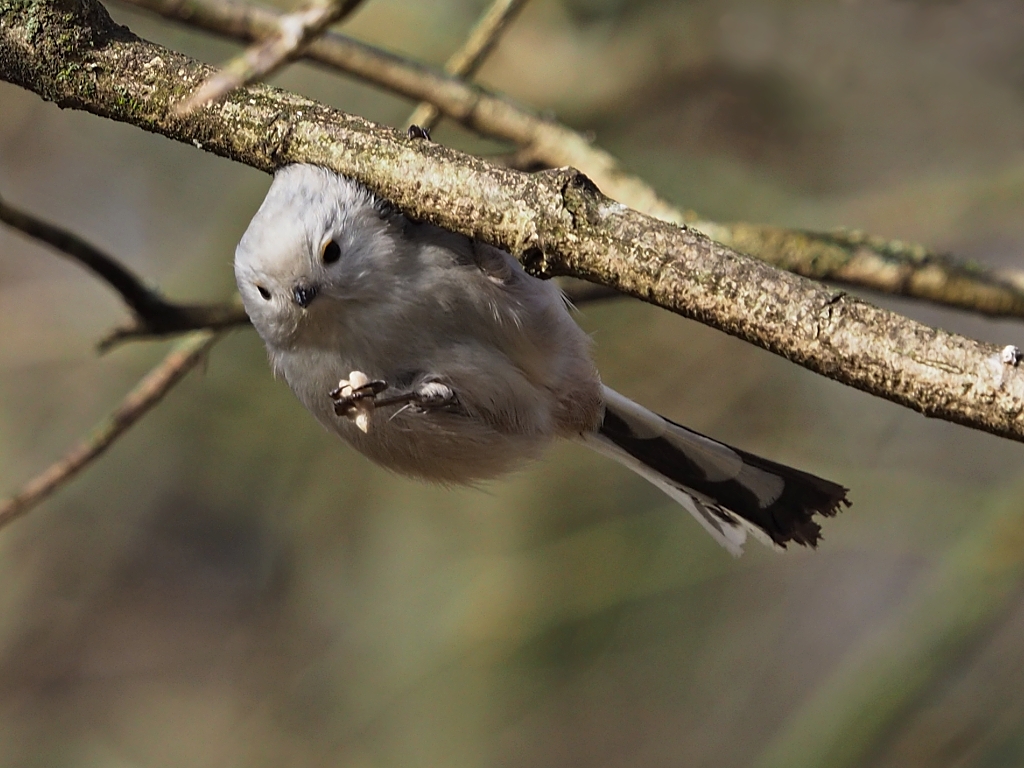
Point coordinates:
[(444, 444), (439, 446)]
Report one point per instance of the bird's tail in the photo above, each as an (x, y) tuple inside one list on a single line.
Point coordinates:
[(729, 491)]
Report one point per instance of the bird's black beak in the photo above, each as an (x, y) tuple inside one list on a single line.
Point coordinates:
[(303, 295)]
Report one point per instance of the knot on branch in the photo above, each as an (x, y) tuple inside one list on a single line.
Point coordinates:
[(83, 26), (53, 46), (580, 196)]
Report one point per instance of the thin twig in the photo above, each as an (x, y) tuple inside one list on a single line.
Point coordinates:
[(146, 394), (294, 31), (544, 142), (192, 317), (154, 315), (466, 61)]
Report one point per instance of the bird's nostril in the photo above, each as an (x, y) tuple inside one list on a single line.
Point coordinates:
[(303, 295)]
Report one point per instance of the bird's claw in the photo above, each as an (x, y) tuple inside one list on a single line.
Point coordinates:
[(357, 396), (354, 398), (433, 394)]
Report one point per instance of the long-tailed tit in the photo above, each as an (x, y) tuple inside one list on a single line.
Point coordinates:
[(438, 356)]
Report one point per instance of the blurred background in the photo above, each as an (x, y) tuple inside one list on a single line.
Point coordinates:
[(231, 586)]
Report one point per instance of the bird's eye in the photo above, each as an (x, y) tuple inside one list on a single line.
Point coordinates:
[(331, 252), (263, 292)]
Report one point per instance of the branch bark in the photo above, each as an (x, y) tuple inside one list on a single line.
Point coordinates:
[(868, 262), (556, 222)]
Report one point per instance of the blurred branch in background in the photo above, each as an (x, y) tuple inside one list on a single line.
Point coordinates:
[(886, 266), (556, 222), (958, 602), (294, 31), (467, 60), (869, 262), (154, 315), (146, 394)]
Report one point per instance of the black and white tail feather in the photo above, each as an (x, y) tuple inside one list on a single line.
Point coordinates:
[(729, 491)]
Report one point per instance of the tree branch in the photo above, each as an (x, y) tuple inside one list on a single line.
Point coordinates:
[(467, 60), (557, 222), (294, 31), (154, 315), (472, 106), (873, 263), (146, 394), (887, 266)]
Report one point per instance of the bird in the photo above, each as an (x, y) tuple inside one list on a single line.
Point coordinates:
[(438, 356)]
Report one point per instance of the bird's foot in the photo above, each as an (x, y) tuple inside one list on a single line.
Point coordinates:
[(427, 396), (354, 398), (358, 396)]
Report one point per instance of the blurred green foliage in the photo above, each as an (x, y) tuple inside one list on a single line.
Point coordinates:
[(232, 586)]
